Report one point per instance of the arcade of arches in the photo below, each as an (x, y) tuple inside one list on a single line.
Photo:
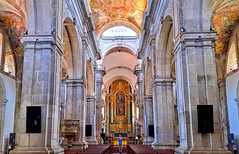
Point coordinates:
[(74, 71)]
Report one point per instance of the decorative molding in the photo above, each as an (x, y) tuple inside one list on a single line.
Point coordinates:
[(75, 82)]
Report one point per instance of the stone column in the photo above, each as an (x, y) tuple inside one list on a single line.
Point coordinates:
[(40, 87), (18, 96), (148, 118), (140, 95), (107, 114), (76, 107), (133, 112), (223, 112), (163, 109), (91, 118), (100, 71), (196, 80), (2, 117), (63, 100)]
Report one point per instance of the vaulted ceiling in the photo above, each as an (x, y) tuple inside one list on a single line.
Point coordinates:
[(106, 11), (225, 18)]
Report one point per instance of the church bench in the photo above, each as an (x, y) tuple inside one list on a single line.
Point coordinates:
[(92, 149), (97, 149), (140, 149)]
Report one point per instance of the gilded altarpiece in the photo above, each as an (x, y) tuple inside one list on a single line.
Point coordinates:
[(120, 108)]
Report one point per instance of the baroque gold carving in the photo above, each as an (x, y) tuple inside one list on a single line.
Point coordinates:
[(120, 99)]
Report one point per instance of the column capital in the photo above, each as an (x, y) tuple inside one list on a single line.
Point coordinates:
[(148, 97), (163, 81), (139, 72), (100, 70), (36, 42), (75, 82), (138, 69), (90, 97), (193, 39)]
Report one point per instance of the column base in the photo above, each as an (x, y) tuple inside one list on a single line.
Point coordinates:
[(148, 140), (38, 150), (79, 145), (91, 141), (200, 150), (170, 145)]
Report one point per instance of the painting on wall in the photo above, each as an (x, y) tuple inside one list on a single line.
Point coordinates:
[(120, 103)]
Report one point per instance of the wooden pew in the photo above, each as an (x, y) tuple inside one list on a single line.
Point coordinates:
[(139, 149), (143, 149), (92, 149)]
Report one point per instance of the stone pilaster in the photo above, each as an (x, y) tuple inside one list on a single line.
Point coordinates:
[(107, 114), (148, 118), (40, 87), (63, 100), (100, 71), (133, 120), (196, 80), (223, 112), (140, 96), (18, 100), (163, 109), (76, 107), (2, 117), (91, 118)]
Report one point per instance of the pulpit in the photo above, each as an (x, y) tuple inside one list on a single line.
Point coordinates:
[(69, 131)]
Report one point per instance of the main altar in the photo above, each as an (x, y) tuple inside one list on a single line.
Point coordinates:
[(120, 111)]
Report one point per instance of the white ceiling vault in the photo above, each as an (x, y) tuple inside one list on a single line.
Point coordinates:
[(119, 64), (118, 26), (119, 57)]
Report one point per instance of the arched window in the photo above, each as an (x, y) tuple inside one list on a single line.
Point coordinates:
[(9, 66), (118, 31), (232, 62), (7, 62)]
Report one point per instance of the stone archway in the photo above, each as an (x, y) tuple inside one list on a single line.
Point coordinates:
[(163, 101), (91, 117), (72, 58), (148, 105)]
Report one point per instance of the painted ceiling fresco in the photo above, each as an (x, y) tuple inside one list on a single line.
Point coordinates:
[(13, 24), (224, 21), (105, 11)]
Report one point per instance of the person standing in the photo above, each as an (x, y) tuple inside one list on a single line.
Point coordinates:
[(120, 140)]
